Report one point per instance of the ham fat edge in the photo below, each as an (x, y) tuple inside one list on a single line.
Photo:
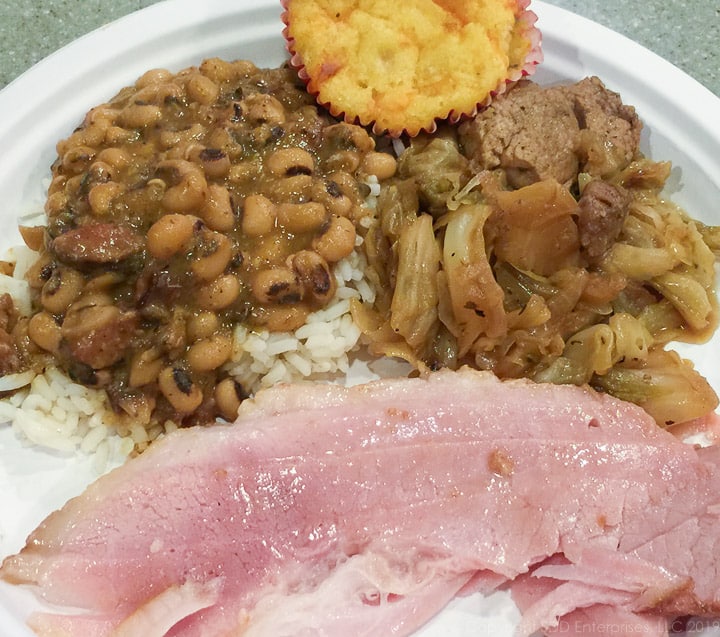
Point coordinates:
[(327, 510)]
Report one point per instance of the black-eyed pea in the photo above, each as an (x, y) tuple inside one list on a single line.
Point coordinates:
[(153, 76), (44, 331), (188, 189), (211, 255), (347, 184), (77, 158), (57, 184), (103, 282), (346, 160), (40, 271), (220, 293), (159, 93), (104, 113), (287, 162), (302, 217), (102, 196), (145, 367), (338, 240), (202, 325), (278, 285), (117, 135), (261, 108), (61, 289), (209, 353), (176, 385), (245, 171), (381, 165), (217, 69), (56, 204), (293, 189), (259, 216), (329, 193), (215, 162), (218, 213), (344, 135), (315, 275), (229, 394), (171, 234), (139, 115), (219, 138), (282, 318), (201, 89), (115, 157)]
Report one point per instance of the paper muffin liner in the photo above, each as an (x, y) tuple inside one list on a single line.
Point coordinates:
[(525, 34)]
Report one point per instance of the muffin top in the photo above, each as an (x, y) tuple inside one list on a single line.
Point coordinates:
[(401, 67)]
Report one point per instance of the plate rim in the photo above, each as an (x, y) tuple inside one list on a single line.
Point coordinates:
[(551, 20)]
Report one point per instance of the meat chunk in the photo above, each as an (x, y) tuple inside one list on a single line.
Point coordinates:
[(611, 129), (363, 511), (602, 209), (531, 133), (98, 243), (534, 133), (98, 334)]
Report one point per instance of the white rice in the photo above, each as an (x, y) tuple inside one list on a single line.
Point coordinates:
[(52, 411), (318, 349)]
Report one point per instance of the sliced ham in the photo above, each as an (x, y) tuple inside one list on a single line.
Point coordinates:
[(363, 511)]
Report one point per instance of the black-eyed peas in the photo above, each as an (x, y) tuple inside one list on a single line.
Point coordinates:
[(315, 275), (201, 89), (139, 115), (209, 353), (278, 285), (101, 196), (170, 234), (381, 165), (180, 391), (44, 331), (202, 325), (218, 212), (259, 216), (228, 396), (62, 288), (338, 241), (189, 188), (77, 158), (226, 197), (261, 108), (287, 162), (220, 293), (211, 254), (145, 367), (152, 77), (302, 217), (215, 162)]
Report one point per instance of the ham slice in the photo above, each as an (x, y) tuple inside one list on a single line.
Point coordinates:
[(327, 510)]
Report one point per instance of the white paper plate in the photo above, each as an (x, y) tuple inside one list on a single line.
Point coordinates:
[(46, 103)]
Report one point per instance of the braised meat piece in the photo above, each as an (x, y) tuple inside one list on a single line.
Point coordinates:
[(602, 209), (610, 137), (533, 133)]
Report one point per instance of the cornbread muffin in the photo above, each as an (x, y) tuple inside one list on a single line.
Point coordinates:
[(403, 66)]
